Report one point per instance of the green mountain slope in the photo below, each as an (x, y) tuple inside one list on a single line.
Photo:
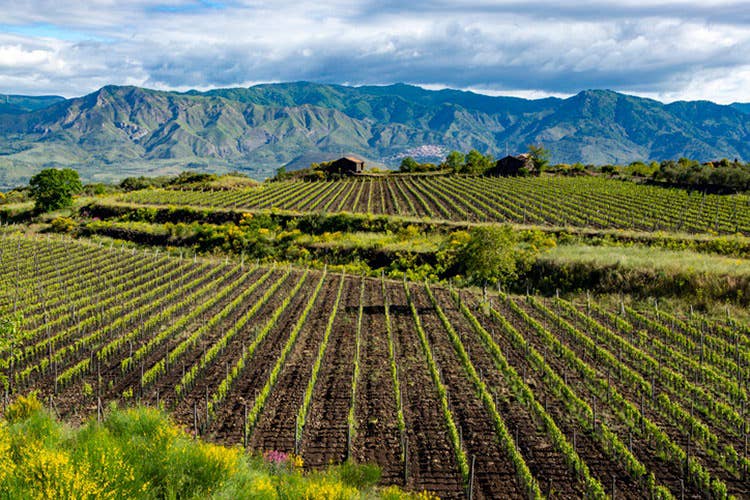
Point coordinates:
[(18, 104), (120, 131)]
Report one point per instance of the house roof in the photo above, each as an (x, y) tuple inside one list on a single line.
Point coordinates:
[(353, 158), (523, 156)]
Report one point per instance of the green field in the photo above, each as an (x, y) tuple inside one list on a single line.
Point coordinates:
[(613, 362)]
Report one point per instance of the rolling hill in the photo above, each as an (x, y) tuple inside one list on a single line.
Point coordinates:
[(120, 131)]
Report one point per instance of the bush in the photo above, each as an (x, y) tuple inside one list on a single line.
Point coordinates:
[(62, 225)]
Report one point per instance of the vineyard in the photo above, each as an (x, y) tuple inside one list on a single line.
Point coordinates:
[(455, 392), (555, 201)]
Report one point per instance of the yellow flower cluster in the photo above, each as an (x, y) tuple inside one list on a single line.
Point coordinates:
[(7, 467), (328, 491), (52, 474)]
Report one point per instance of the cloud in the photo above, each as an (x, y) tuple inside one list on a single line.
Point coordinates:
[(668, 49)]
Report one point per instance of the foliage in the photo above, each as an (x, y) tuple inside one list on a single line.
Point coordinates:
[(141, 182), (540, 156), (477, 163), (641, 169), (140, 453), (62, 225), (410, 165), (53, 189), (10, 326), (454, 161), (495, 254), (100, 189), (16, 195), (723, 174), (282, 174)]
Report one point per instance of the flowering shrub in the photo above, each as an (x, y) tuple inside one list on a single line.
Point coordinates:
[(140, 453)]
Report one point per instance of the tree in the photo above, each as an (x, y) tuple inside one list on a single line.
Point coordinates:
[(477, 163), (540, 156), (409, 164), (454, 161), (53, 189)]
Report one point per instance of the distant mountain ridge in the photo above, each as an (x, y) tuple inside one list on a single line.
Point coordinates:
[(120, 131), (17, 104)]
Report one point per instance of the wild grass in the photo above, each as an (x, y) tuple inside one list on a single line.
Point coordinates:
[(651, 258)]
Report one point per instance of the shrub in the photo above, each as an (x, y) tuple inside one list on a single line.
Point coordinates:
[(62, 225)]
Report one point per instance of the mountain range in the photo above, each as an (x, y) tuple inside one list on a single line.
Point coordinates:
[(121, 131)]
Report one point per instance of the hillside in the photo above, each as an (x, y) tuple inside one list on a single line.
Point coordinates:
[(19, 104), (120, 131)]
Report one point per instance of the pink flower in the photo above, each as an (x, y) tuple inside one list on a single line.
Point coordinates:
[(276, 457)]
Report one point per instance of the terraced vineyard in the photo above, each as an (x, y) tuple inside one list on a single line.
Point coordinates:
[(556, 201), (509, 397)]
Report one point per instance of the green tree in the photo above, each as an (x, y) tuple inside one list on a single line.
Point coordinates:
[(477, 163), (540, 156), (454, 161), (53, 189), (409, 164)]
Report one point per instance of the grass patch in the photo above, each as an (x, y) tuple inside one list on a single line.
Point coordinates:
[(653, 258)]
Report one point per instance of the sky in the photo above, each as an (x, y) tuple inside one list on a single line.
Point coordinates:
[(668, 50)]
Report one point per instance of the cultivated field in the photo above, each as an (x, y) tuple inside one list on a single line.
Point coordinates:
[(556, 201), (510, 396)]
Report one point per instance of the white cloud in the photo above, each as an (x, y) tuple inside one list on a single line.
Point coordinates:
[(669, 49)]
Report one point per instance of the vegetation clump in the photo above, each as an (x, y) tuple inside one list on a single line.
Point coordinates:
[(53, 189), (140, 453)]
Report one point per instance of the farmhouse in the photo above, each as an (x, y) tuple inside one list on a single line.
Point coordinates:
[(348, 165), (512, 165)]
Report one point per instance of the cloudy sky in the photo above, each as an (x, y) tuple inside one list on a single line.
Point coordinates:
[(665, 49)]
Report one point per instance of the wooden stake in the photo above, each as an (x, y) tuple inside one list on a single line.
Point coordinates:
[(244, 427), (195, 418), (471, 477), (406, 460)]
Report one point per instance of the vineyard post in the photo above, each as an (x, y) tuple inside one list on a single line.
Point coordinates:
[(687, 458), (614, 489), (682, 489), (653, 382), (99, 410), (746, 449), (630, 441), (406, 460), (471, 478), (593, 423), (195, 419), (244, 427)]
